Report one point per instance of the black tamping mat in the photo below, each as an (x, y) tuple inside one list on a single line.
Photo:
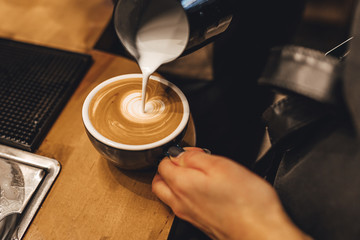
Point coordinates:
[(35, 84)]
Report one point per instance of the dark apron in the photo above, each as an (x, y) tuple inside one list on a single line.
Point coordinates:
[(314, 161)]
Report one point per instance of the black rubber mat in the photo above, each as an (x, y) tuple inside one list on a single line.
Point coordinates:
[(35, 84)]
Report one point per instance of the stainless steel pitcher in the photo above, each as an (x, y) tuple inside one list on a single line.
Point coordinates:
[(206, 20)]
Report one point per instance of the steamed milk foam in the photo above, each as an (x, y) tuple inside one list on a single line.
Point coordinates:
[(161, 38)]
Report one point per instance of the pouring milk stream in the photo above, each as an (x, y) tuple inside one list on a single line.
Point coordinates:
[(158, 31), (161, 37)]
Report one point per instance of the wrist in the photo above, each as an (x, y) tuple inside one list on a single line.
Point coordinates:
[(280, 226), (266, 225)]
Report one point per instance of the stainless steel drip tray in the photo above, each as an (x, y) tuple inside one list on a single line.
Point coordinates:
[(25, 179)]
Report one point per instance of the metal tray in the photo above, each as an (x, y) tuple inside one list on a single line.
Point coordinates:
[(32, 177)]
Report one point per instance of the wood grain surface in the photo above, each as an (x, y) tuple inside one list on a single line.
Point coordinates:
[(66, 24), (91, 199)]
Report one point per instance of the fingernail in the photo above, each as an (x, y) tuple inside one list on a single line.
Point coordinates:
[(175, 151), (206, 150)]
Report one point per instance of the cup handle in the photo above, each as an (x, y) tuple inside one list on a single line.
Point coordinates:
[(176, 150)]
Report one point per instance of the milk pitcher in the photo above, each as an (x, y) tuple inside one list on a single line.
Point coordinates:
[(202, 20)]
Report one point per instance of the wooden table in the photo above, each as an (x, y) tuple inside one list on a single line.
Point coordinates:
[(91, 199)]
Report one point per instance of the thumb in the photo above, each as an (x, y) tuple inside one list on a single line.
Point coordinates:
[(191, 157)]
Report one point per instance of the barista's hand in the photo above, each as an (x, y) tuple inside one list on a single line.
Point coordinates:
[(222, 198)]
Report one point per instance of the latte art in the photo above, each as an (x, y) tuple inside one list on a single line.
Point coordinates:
[(131, 107), (116, 112)]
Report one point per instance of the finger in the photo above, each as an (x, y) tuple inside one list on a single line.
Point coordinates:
[(162, 190), (196, 159), (167, 193), (169, 170), (175, 151), (179, 179), (205, 150), (197, 149)]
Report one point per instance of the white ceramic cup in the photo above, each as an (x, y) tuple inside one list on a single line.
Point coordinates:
[(135, 156)]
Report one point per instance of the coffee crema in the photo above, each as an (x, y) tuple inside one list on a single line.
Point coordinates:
[(116, 111)]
